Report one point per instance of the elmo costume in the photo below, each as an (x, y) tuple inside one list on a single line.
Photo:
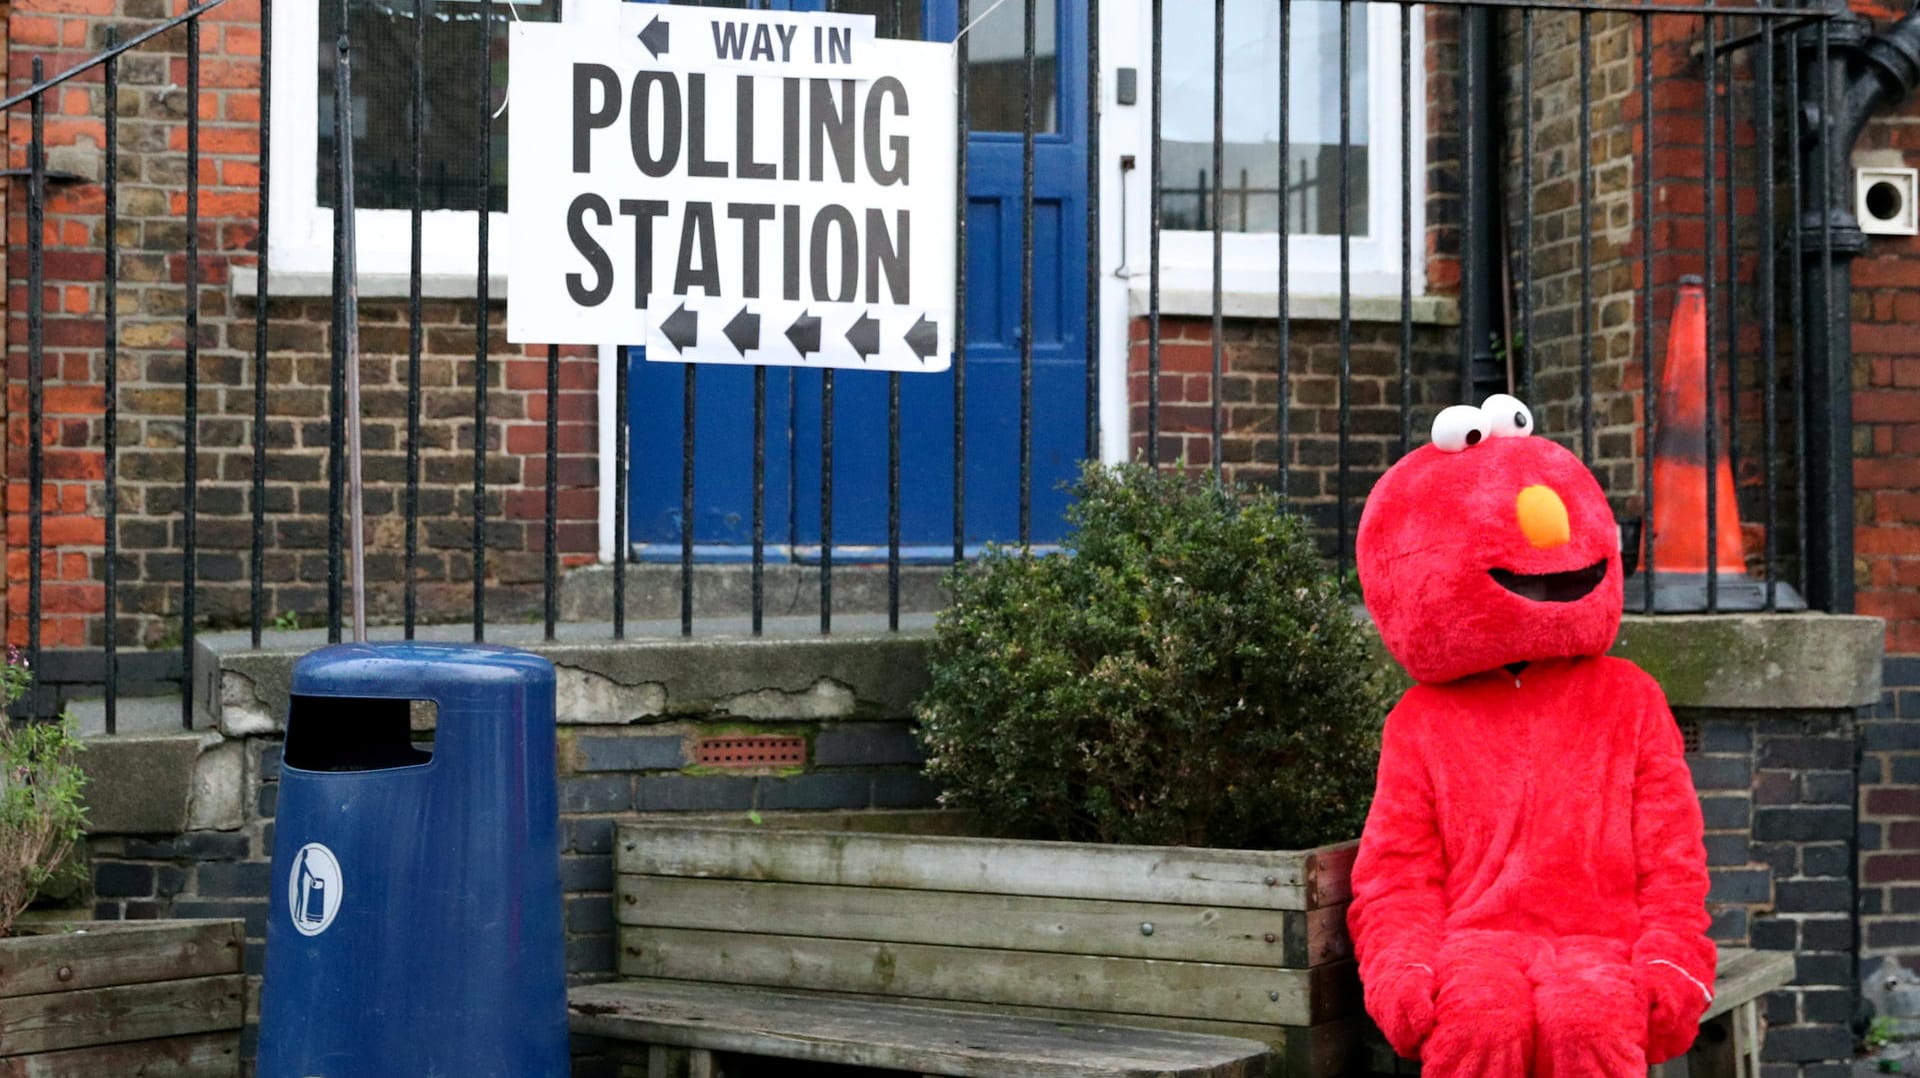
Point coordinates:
[(1530, 893)]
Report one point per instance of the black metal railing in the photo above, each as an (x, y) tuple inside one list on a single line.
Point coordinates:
[(1759, 69)]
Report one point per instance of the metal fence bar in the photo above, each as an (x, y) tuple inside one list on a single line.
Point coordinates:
[(1834, 580), (1733, 267), (190, 499), (1525, 344), (481, 331), (759, 499), (893, 500), (1711, 67), (111, 377), (1027, 165), (1215, 408), (36, 362), (337, 371), (1157, 63), (1769, 330), (1797, 312), (416, 330), (1406, 227), (689, 414), (1346, 286), (826, 501), (256, 567), (1094, 171), (960, 210), (552, 540), (621, 434), (1586, 237), (349, 304), (1284, 360), (1469, 182), (1649, 385)]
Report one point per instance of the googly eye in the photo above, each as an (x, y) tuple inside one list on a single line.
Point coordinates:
[(1507, 417), (1458, 427)]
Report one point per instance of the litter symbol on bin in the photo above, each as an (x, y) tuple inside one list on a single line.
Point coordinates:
[(313, 890)]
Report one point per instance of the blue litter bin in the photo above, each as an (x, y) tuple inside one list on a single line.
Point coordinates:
[(415, 922)]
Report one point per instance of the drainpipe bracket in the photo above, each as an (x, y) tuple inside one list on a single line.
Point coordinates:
[(1840, 224)]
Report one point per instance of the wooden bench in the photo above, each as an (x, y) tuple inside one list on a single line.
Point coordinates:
[(704, 1019), (1730, 1033)]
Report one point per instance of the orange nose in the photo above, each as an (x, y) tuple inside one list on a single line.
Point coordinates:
[(1543, 517)]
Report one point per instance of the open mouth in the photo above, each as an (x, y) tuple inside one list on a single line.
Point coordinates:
[(1552, 587)]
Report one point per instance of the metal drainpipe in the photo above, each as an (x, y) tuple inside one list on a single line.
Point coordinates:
[(1482, 261), (1863, 75)]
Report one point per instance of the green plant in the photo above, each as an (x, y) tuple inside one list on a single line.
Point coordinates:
[(41, 813), (1185, 672), (287, 620)]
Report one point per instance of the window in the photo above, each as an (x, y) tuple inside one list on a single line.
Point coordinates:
[(304, 195), (1251, 200)]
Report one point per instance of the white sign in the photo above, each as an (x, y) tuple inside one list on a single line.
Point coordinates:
[(744, 187), (313, 889)]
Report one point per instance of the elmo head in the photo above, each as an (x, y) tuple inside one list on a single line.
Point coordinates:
[(1489, 547)]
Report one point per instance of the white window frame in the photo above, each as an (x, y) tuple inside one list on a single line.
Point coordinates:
[(300, 236), (1250, 261)]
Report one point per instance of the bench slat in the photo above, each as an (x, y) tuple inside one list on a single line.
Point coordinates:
[(892, 1036), (1744, 975), (1285, 938), (930, 973)]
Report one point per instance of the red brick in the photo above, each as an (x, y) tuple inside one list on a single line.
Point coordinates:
[(1892, 868), (1893, 801)]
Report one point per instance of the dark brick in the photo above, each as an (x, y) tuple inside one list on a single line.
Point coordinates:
[(590, 916), (169, 880), (253, 913), (1907, 704), (1827, 1070), (1783, 1009), (1828, 787), (1803, 823), (866, 746), (1813, 896), (1902, 671), (1885, 935), (1743, 885), (1729, 926), (1776, 788), (1867, 902), (1903, 770), (1870, 772), (1725, 737), (270, 762), (1829, 860), (1904, 899), (818, 791), (1725, 813), (1827, 933), (241, 879), (1727, 850), (1808, 1043), (1868, 835), (630, 753), (590, 954), (904, 789), (1890, 736), (1721, 772), (592, 836), (193, 846), (1807, 753), (1783, 858), (253, 959), (598, 793), (1812, 969), (693, 793), (269, 798), (579, 874), (143, 911), (1774, 934), (117, 879), (107, 911), (1827, 1005)]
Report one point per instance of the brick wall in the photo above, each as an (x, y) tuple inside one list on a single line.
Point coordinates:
[(1889, 841), (151, 371)]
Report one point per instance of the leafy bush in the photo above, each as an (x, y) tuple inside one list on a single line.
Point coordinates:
[(1187, 673), (41, 814)]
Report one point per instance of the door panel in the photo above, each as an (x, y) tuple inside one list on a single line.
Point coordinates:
[(723, 484)]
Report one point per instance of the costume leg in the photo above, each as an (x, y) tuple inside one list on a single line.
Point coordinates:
[(1592, 1022), (1483, 1013)]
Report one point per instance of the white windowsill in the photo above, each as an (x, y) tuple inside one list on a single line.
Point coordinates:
[(1189, 302), (243, 284)]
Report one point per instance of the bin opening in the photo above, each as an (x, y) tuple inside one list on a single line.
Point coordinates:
[(344, 733)]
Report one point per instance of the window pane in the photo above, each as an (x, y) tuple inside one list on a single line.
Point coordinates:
[(997, 68), (1250, 199), (383, 101)]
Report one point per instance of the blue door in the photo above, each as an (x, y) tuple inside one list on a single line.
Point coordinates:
[(723, 432)]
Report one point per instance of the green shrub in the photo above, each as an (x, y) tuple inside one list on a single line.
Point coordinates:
[(1188, 673), (41, 813)]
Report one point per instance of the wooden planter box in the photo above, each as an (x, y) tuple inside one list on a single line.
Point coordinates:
[(114, 999), (1235, 942)]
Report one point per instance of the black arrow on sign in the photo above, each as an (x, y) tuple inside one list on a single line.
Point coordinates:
[(924, 338), (865, 337), (654, 37), (744, 332), (681, 329), (805, 334)]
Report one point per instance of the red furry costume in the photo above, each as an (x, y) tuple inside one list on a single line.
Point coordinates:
[(1530, 891)]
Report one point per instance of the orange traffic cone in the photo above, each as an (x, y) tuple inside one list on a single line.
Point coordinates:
[(1676, 553)]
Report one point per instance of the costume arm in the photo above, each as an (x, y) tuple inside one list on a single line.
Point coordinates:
[(1399, 900), (1670, 853)]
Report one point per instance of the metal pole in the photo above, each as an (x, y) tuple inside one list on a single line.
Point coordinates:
[(350, 329)]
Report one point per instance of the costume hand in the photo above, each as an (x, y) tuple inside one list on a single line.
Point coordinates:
[(1401, 1003), (1675, 1002)]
